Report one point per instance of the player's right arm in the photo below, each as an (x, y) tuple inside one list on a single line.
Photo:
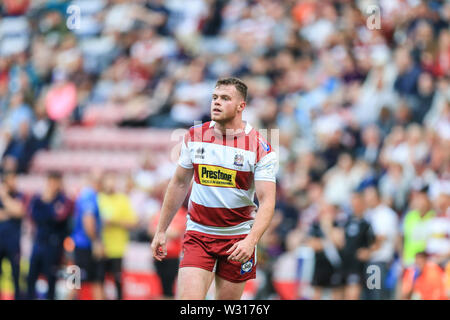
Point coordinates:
[(90, 226), (175, 195)]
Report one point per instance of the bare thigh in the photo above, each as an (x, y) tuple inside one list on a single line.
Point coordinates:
[(193, 283), (227, 290)]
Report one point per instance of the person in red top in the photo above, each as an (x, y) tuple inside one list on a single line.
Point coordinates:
[(424, 281), (167, 269), (230, 163)]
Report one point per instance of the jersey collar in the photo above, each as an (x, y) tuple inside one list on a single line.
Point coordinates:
[(247, 129)]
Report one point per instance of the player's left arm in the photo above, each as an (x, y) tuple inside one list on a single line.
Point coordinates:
[(243, 250), (265, 186)]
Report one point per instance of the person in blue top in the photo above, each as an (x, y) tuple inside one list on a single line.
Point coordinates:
[(50, 213), (87, 237), (12, 209)]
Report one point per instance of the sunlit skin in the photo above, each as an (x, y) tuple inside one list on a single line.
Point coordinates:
[(227, 105)]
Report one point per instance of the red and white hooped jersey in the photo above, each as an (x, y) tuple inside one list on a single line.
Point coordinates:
[(225, 169)]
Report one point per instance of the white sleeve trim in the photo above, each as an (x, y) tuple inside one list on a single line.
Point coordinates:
[(185, 160), (267, 168)]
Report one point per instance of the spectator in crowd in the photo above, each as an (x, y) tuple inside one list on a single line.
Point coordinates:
[(438, 231), (18, 112), (414, 225), (384, 222), (118, 218), (356, 251), (408, 73), (424, 280), (327, 239), (12, 210), (50, 212), (86, 234), (371, 144), (394, 186), (167, 269), (21, 148)]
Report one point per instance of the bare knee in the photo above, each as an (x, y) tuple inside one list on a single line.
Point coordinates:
[(227, 290), (193, 283)]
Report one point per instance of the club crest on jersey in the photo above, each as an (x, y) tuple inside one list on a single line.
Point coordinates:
[(239, 160), (247, 266)]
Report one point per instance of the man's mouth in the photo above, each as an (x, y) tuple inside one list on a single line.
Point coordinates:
[(216, 110)]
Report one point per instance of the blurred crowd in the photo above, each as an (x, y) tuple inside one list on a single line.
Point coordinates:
[(363, 116)]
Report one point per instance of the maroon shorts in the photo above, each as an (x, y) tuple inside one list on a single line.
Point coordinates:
[(210, 253)]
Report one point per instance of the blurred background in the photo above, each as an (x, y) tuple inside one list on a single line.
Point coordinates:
[(92, 91)]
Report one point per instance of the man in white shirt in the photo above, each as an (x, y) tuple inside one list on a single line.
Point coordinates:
[(384, 222)]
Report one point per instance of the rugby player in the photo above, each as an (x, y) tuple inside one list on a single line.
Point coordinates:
[(229, 161)]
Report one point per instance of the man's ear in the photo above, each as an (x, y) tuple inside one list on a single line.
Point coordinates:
[(242, 106)]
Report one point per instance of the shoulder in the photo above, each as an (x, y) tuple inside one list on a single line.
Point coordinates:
[(196, 132), (410, 215), (102, 197), (262, 141), (122, 198), (366, 224), (260, 145), (62, 197), (87, 195)]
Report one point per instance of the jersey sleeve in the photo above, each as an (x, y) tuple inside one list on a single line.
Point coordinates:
[(87, 205), (185, 160), (266, 168)]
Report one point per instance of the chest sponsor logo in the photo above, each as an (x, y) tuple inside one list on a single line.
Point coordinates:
[(353, 230), (216, 176)]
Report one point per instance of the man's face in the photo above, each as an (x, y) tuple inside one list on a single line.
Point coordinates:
[(442, 203), (371, 197), (358, 205), (226, 103), (54, 185), (109, 183), (420, 262), (421, 202)]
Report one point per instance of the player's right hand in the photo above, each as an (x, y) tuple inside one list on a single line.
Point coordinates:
[(159, 246)]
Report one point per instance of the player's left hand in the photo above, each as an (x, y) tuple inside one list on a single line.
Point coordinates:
[(241, 251)]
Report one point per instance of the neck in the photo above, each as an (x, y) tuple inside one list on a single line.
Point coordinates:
[(235, 126)]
